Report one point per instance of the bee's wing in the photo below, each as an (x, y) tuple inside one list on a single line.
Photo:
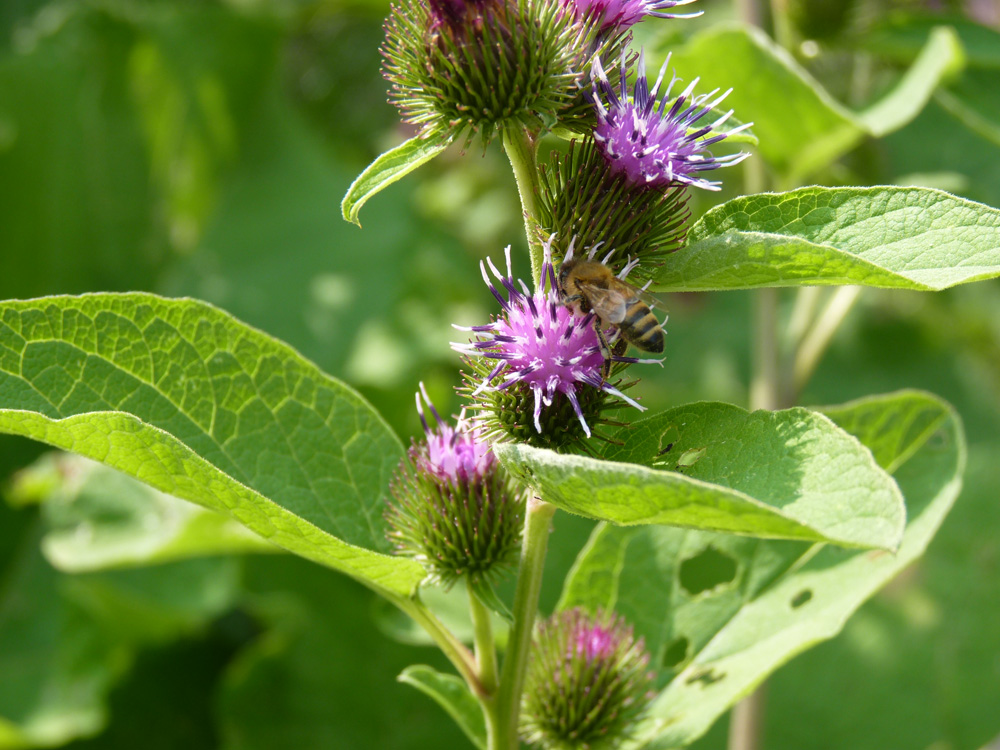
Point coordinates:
[(650, 299), (608, 304)]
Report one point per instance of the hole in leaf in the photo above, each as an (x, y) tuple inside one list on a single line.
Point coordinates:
[(676, 652), (706, 570), (706, 677), (801, 598), (690, 457)]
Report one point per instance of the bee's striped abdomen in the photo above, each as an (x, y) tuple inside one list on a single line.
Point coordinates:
[(641, 328)]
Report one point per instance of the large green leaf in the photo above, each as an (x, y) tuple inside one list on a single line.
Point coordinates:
[(805, 128), (185, 398), (99, 518), (790, 474), (391, 166), (894, 237), (720, 613)]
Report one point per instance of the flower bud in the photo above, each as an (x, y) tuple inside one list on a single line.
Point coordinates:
[(455, 510), (581, 197), (478, 66), (587, 682)]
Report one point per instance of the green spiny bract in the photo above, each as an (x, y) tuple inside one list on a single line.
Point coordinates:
[(484, 66), (587, 682), (581, 200), (463, 527)]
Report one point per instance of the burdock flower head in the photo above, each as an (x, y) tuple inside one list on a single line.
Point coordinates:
[(455, 510), (478, 66), (587, 682), (540, 373), (651, 145), (620, 14)]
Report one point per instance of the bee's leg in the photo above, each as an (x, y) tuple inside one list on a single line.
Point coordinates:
[(621, 346), (605, 349)]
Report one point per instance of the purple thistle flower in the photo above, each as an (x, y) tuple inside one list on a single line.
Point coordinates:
[(540, 342), (650, 145), (451, 453), (620, 14)]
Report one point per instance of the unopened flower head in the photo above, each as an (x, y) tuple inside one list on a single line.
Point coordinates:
[(650, 144), (587, 682), (620, 14), (580, 197), (540, 369), (455, 510), (478, 66)]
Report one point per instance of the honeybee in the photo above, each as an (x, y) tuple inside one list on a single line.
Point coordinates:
[(589, 285)]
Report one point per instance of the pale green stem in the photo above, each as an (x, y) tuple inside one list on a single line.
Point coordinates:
[(784, 32), (486, 663), (486, 654), (537, 522), (454, 649), (522, 150), (745, 724), (815, 342), (765, 388), (803, 314)]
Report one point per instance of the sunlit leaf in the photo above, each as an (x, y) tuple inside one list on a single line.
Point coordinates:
[(719, 613), (894, 237), (387, 169), (187, 399), (790, 475)]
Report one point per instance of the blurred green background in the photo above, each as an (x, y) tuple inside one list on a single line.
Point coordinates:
[(200, 148)]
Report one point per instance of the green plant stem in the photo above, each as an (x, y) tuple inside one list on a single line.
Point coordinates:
[(522, 150), (818, 337), (454, 649), (486, 654), (765, 388), (486, 666), (537, 522)]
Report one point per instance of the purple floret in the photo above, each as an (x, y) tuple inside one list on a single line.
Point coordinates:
[(651, 145)]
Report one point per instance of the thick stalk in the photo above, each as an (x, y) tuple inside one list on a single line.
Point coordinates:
[(486, 664), (453, 648), (538, 519), (522, 150)]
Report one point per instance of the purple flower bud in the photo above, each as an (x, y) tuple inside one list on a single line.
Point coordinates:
[(588, 680), (455, 510), (651, 145)]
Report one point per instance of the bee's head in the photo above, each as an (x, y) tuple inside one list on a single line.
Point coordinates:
[(564, 271)]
